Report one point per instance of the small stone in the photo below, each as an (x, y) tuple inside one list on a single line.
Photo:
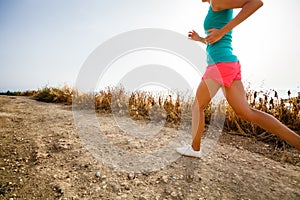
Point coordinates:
[(127, 187), (173, 194), (98, 174), (131, 176), (145, 173), (164, 179), (123, 184), (138, 183)]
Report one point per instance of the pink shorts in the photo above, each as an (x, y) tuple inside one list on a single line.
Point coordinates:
[(224, 72)]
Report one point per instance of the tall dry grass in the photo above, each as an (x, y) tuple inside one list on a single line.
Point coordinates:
[(176, 111), (55, 95)]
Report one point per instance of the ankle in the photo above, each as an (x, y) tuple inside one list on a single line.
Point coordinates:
[(196, 147)]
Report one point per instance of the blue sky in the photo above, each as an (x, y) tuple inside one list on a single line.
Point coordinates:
[(45, 42)]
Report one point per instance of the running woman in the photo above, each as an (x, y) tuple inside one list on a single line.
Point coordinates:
[(224, 71)]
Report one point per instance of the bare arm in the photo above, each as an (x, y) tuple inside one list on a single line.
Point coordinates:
[(248, 8)]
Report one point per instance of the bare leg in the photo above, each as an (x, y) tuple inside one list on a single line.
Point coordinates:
[(236, 97), (205, 92)]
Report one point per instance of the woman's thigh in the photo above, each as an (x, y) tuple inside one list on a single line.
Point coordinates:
[(236, 97)]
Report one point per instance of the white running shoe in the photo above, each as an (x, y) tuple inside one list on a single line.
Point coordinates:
[(188, 150)]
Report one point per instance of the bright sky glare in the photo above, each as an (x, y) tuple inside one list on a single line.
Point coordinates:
[(46, 42)]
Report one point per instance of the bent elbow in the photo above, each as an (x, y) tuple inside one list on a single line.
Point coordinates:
[(255, 3), (260, 3)]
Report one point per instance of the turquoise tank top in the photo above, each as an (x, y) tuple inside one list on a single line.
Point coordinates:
[(220, 51)]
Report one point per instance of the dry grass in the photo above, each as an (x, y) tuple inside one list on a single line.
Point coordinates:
[(177, 111), (55, 95)]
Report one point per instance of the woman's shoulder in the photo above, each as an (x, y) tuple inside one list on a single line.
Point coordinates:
[(219, 5), (216, 7)]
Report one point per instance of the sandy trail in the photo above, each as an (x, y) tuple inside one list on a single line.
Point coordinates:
[(43, 157)]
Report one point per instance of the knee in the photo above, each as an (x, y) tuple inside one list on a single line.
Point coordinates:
[(198, 106), (244, 114)]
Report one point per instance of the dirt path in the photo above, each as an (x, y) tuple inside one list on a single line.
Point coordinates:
[(42, 157)]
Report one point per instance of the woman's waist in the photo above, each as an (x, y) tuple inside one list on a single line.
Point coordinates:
[(219, 49), (220, 55)]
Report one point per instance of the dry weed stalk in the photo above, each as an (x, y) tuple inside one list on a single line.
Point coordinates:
[(177, 111)]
